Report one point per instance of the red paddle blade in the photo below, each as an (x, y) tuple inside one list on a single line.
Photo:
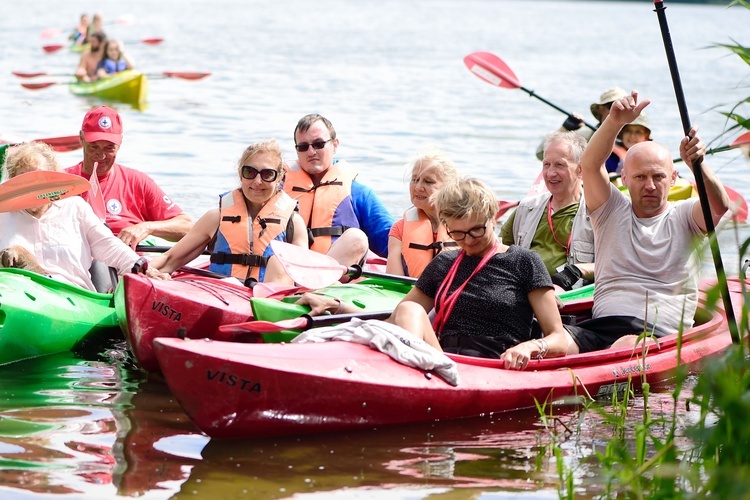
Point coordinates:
[(37, 86), (307, 267), (503, 207), (39, 187), (21, 74), (52, 48), (491, 69), (185, 75), (62, 144), (264, 326), (152, 41), (741, 140)]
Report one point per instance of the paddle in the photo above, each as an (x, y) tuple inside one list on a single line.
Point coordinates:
[(697, 172), (315, 270), (160, 249), (494, 71), (185, 75), (305, 322), (59, 144), (39, 187), (54, 47)]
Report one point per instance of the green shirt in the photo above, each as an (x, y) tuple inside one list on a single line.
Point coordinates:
[(552, 253)]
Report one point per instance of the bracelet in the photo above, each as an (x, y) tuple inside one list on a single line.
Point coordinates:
[(340, 308), (543, 348)]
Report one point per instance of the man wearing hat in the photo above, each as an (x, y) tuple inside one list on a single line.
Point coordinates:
[(600, 110), (134, 207)]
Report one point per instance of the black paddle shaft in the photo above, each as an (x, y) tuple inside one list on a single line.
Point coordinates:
[(697, 172), (545, 101)]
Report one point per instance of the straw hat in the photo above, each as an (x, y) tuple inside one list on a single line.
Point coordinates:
[(609, 95), (641, 120)]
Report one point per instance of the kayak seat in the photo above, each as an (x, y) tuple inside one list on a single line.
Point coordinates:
[(104, 277)]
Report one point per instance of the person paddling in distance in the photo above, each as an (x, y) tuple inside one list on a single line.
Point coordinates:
[(131, 203), (114, 60), (78, 37), (60, 238), (484, 296), (343, 216), (646, 266), (87, 65), (419, 236), (555, 224), (238, 233)]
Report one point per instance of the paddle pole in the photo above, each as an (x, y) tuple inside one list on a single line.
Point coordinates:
[(698, 172)]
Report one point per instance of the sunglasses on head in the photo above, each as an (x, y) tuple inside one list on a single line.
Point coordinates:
[(302, 147), (267, 174)]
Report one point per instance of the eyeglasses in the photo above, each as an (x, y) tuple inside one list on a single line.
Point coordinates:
[(474, 232), (302, 147), (267, 174)]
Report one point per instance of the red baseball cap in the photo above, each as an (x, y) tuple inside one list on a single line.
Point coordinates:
[(102, 124)]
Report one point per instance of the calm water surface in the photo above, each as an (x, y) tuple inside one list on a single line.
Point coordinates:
[(390, 76)]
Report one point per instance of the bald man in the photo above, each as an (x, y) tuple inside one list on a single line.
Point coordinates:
[(646, 267)]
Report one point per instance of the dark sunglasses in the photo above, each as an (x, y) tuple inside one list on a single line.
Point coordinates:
[(267, 174), (302, 147), (474, 232)]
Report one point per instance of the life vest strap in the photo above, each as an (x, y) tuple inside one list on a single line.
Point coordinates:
[(438, 245), (316, 186), (329, 231), (242, 259)]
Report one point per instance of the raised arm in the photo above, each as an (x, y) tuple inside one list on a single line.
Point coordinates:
[(595, 176), (691, 149)]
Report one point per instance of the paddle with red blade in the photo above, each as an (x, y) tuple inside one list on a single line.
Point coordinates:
[(698, 173), (305, 322), (315, 270), (184, 75), (39, 187), (54, 47), (494, 71), (59, 144), (742, 140)]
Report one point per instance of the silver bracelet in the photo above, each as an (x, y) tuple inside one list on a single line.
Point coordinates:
[(340, 308), (543, 348)]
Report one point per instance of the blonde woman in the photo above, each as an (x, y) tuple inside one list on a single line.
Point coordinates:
[(419, 236), (239, 232)]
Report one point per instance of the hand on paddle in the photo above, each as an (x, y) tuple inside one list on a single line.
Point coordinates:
[(692, 148), (574, 121), (133, 235)]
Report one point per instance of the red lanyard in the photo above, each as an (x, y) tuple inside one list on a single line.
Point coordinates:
[(552, 228), (445, 303)]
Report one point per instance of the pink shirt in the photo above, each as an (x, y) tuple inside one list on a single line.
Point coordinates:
[(131, 197)]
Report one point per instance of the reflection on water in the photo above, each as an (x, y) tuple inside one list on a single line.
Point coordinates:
[(93, 424)]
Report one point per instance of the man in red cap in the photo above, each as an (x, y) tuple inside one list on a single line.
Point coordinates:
[(128, 200)]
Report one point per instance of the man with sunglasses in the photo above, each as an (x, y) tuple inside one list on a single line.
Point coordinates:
[(131, 203), (555, 224), (344, 217)]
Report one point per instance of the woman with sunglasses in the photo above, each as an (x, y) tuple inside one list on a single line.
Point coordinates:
[(239, 232)]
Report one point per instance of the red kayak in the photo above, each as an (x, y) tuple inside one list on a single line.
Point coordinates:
[(257, 390), (190, 306)]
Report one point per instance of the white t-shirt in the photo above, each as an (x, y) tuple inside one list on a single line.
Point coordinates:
[(640, 256), (64, 240)]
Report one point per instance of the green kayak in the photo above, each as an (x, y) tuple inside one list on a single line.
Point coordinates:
[(39, 315), (127, 86), (377, 294)]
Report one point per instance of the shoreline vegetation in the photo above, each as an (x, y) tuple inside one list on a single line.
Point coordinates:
[(668, 455)]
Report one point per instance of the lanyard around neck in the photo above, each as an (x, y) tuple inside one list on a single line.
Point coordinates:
[(552, 228), (445, 303)]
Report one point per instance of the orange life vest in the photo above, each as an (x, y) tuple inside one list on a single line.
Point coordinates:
[(419, 244)]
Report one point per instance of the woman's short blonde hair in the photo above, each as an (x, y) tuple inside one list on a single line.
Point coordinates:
[(269, 146), (30, 155), (434, 157), (465, 198)]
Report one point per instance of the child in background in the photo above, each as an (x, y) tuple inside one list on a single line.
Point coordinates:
[(114, 60)]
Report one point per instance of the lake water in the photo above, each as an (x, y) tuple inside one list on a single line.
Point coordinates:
[(390, 76)]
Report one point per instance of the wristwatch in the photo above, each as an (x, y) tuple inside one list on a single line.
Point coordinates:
[(140, 266)]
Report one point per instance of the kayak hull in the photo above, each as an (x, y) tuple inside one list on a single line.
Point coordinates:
[(39, 315), (129, 86), (259, 390)]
